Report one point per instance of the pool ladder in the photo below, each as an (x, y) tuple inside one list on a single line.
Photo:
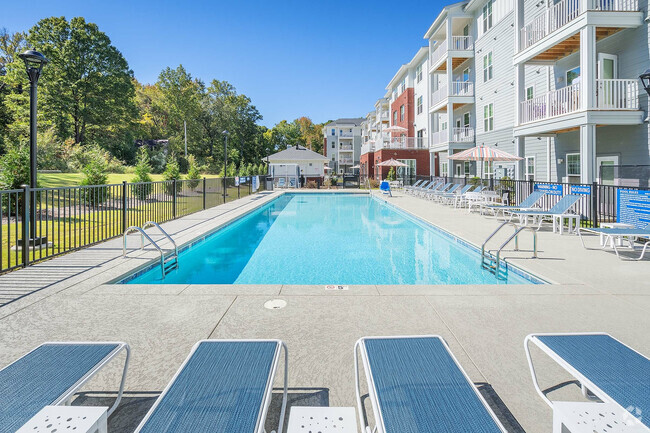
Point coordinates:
[(492, 261), (167, 262)]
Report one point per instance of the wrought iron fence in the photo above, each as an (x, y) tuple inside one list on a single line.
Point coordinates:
[(66, 219), (598, 203)]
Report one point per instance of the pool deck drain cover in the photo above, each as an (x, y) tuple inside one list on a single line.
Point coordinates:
[(275, 304)]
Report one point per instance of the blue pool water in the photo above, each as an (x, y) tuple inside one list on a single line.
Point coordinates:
[(328, 239)]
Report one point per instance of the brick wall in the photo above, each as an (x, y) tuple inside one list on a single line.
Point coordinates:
[(421, 157), (406, 99), (368, 162)]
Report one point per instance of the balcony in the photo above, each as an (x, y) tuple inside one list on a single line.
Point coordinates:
[(346, 147), (345, 134), (367, 148), (346, 161), (463, 134), (554, 33), (462, 47), (616, 103), (402, 143), (462, 90)]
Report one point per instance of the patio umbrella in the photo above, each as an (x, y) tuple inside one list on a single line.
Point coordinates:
[(484, 153), (395, 128), (355, 166), (391, 163)]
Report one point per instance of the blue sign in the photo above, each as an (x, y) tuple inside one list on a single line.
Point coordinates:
[(580, 189), (633, 207), (549, 188)]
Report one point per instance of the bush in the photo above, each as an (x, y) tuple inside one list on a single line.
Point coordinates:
[(80, 156), (95, 174), (193, 173), (142, 175), (14, 168), (311, 184), (52, 154), (391, 174), (158, 161), (374, 183), (172, 171)]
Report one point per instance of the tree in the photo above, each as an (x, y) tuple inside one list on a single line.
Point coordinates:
[(87, 88), (311, 133), (172, 172), (283, 135), (142, 178), (193, 174), (10, 46)]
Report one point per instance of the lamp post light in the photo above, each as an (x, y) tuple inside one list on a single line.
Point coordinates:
[(225, 162), (34, 62), (645, 80)]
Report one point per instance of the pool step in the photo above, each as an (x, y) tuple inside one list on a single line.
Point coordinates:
[(171, 263)]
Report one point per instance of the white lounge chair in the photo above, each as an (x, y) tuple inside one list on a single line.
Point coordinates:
[(557, 213), (611, 233)]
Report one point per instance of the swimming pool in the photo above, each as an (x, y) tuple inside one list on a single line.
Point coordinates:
[(327, 238)]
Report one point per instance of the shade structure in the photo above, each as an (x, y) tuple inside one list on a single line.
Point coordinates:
[(326, 168), (391, 163), (395, 128), (484, 153), (355, 166)]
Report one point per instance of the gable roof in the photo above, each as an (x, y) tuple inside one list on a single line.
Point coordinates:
[(297, 153), (346, 121)]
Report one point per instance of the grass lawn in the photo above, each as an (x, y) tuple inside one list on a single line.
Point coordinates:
[(52, 180)]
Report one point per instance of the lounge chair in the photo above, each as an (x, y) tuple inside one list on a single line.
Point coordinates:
[(526, 204), (449, 197), (464, 199), (50, 375), (409, 188), (611, 233), (384, 187), (223, 386), (281, 182), (415, 384), (433, 186), (558, 213), (438, 195), (606, 369)]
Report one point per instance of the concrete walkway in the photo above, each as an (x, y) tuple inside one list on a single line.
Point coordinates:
[(484, 325)]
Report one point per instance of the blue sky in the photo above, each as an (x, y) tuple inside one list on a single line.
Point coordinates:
[(292, 58)]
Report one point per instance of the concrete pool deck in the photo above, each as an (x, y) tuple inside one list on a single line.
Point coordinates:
[(485, 326)]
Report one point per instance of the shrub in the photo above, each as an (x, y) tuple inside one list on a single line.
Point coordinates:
[(311, 184), (52, 154), (14, 168), (374, 183), (232, 170), (193, 173), (158, 161), (142, 175), (95, 174), (172, 171), (391, 174)]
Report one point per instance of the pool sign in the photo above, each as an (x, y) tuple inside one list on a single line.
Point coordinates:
[(336, 287), (633, 207), (580, 189), (255, 183), (548, 188)]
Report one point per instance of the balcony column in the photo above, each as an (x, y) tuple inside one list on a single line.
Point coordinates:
[(587, 153), (450, 105), (588, 68), (519, 23), (520, 150), (520, 91)]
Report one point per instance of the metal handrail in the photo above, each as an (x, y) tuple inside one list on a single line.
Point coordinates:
[(497, 256), (143, 235), (155, 224)]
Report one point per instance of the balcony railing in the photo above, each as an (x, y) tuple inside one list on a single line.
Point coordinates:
[(562, 13), (611, 94), (458, 135), (367, 148), (458, 88), (345, 134), (462, 43), (346, 147), (402, 143), (346, 161)]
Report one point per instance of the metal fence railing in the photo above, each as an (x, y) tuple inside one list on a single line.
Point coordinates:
[(66, 219), (598, 203)]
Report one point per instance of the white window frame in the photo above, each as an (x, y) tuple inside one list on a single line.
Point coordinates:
[(402, 112), (420, 103), (467, 167), (566, 75), (488, 22), (444, 168), (418, 72), (469, 119), (530, 175), (532, 93), (578, 165), (488, 169), (488, 117), (487, 67)]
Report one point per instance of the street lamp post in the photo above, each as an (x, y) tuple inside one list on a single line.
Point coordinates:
[(225, 162), (34, 62)]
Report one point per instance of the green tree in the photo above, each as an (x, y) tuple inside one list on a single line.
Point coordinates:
[(14, 168), (391, 174), (172, 172), (193, 174), (142, 178), (87, 88), (94, 173)]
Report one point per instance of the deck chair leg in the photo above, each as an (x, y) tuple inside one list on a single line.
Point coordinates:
[(121, 391)]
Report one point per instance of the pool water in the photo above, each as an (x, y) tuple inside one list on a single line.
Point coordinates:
[(328, 239)]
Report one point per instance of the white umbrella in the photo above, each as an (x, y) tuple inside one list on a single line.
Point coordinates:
[(355, 166), (391, 163), (395, 128), (484, 153)]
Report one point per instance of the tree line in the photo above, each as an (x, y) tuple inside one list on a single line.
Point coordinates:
[(90, 102)]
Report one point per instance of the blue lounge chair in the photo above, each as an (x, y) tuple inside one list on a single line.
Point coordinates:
[(611, 233), (50, 375), (557, 212), (605, 368), (223, 386), (431, 187), (384, 186), (416, 385), (416, 185), (450, 197), (526, 204), (437, 195)]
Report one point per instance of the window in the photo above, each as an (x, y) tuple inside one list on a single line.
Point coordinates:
[(488, 117), (333, 131), (466, 119), (443, 126), (530, 168), (394, 93), (420, 138), (573, 164), (402, 86), (401, 113), (418, 73), (419, 104), (466, 165), (333, 145), (488, 169), (395, 117), (444, 168), (571, 75), (466, 74), (530, 93), (487, 16), (487, 67)]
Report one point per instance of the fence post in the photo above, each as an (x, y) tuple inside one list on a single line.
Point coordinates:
[(174, 199), (26, 220), (124, 226), (224, 188), (594, 204), (204, 184)]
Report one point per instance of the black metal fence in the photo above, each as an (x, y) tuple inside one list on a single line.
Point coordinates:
[(69, 218), (598, 203)]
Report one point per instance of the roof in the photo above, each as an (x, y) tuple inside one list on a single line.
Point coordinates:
[(442, 16), (297, 153), (356, 121), (417, 58)]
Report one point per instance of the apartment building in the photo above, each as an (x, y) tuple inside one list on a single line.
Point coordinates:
[(342, 144), (375, 124)]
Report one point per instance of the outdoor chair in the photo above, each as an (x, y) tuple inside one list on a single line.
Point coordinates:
[(433, 186), (437, 195), (452, 197), (384, 187), (415, 385), (464, 199), (614, 236), (608, 371), (416, 185), (281, 182), (223, 386), (50, 375), (528, 203), (557, 213)]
